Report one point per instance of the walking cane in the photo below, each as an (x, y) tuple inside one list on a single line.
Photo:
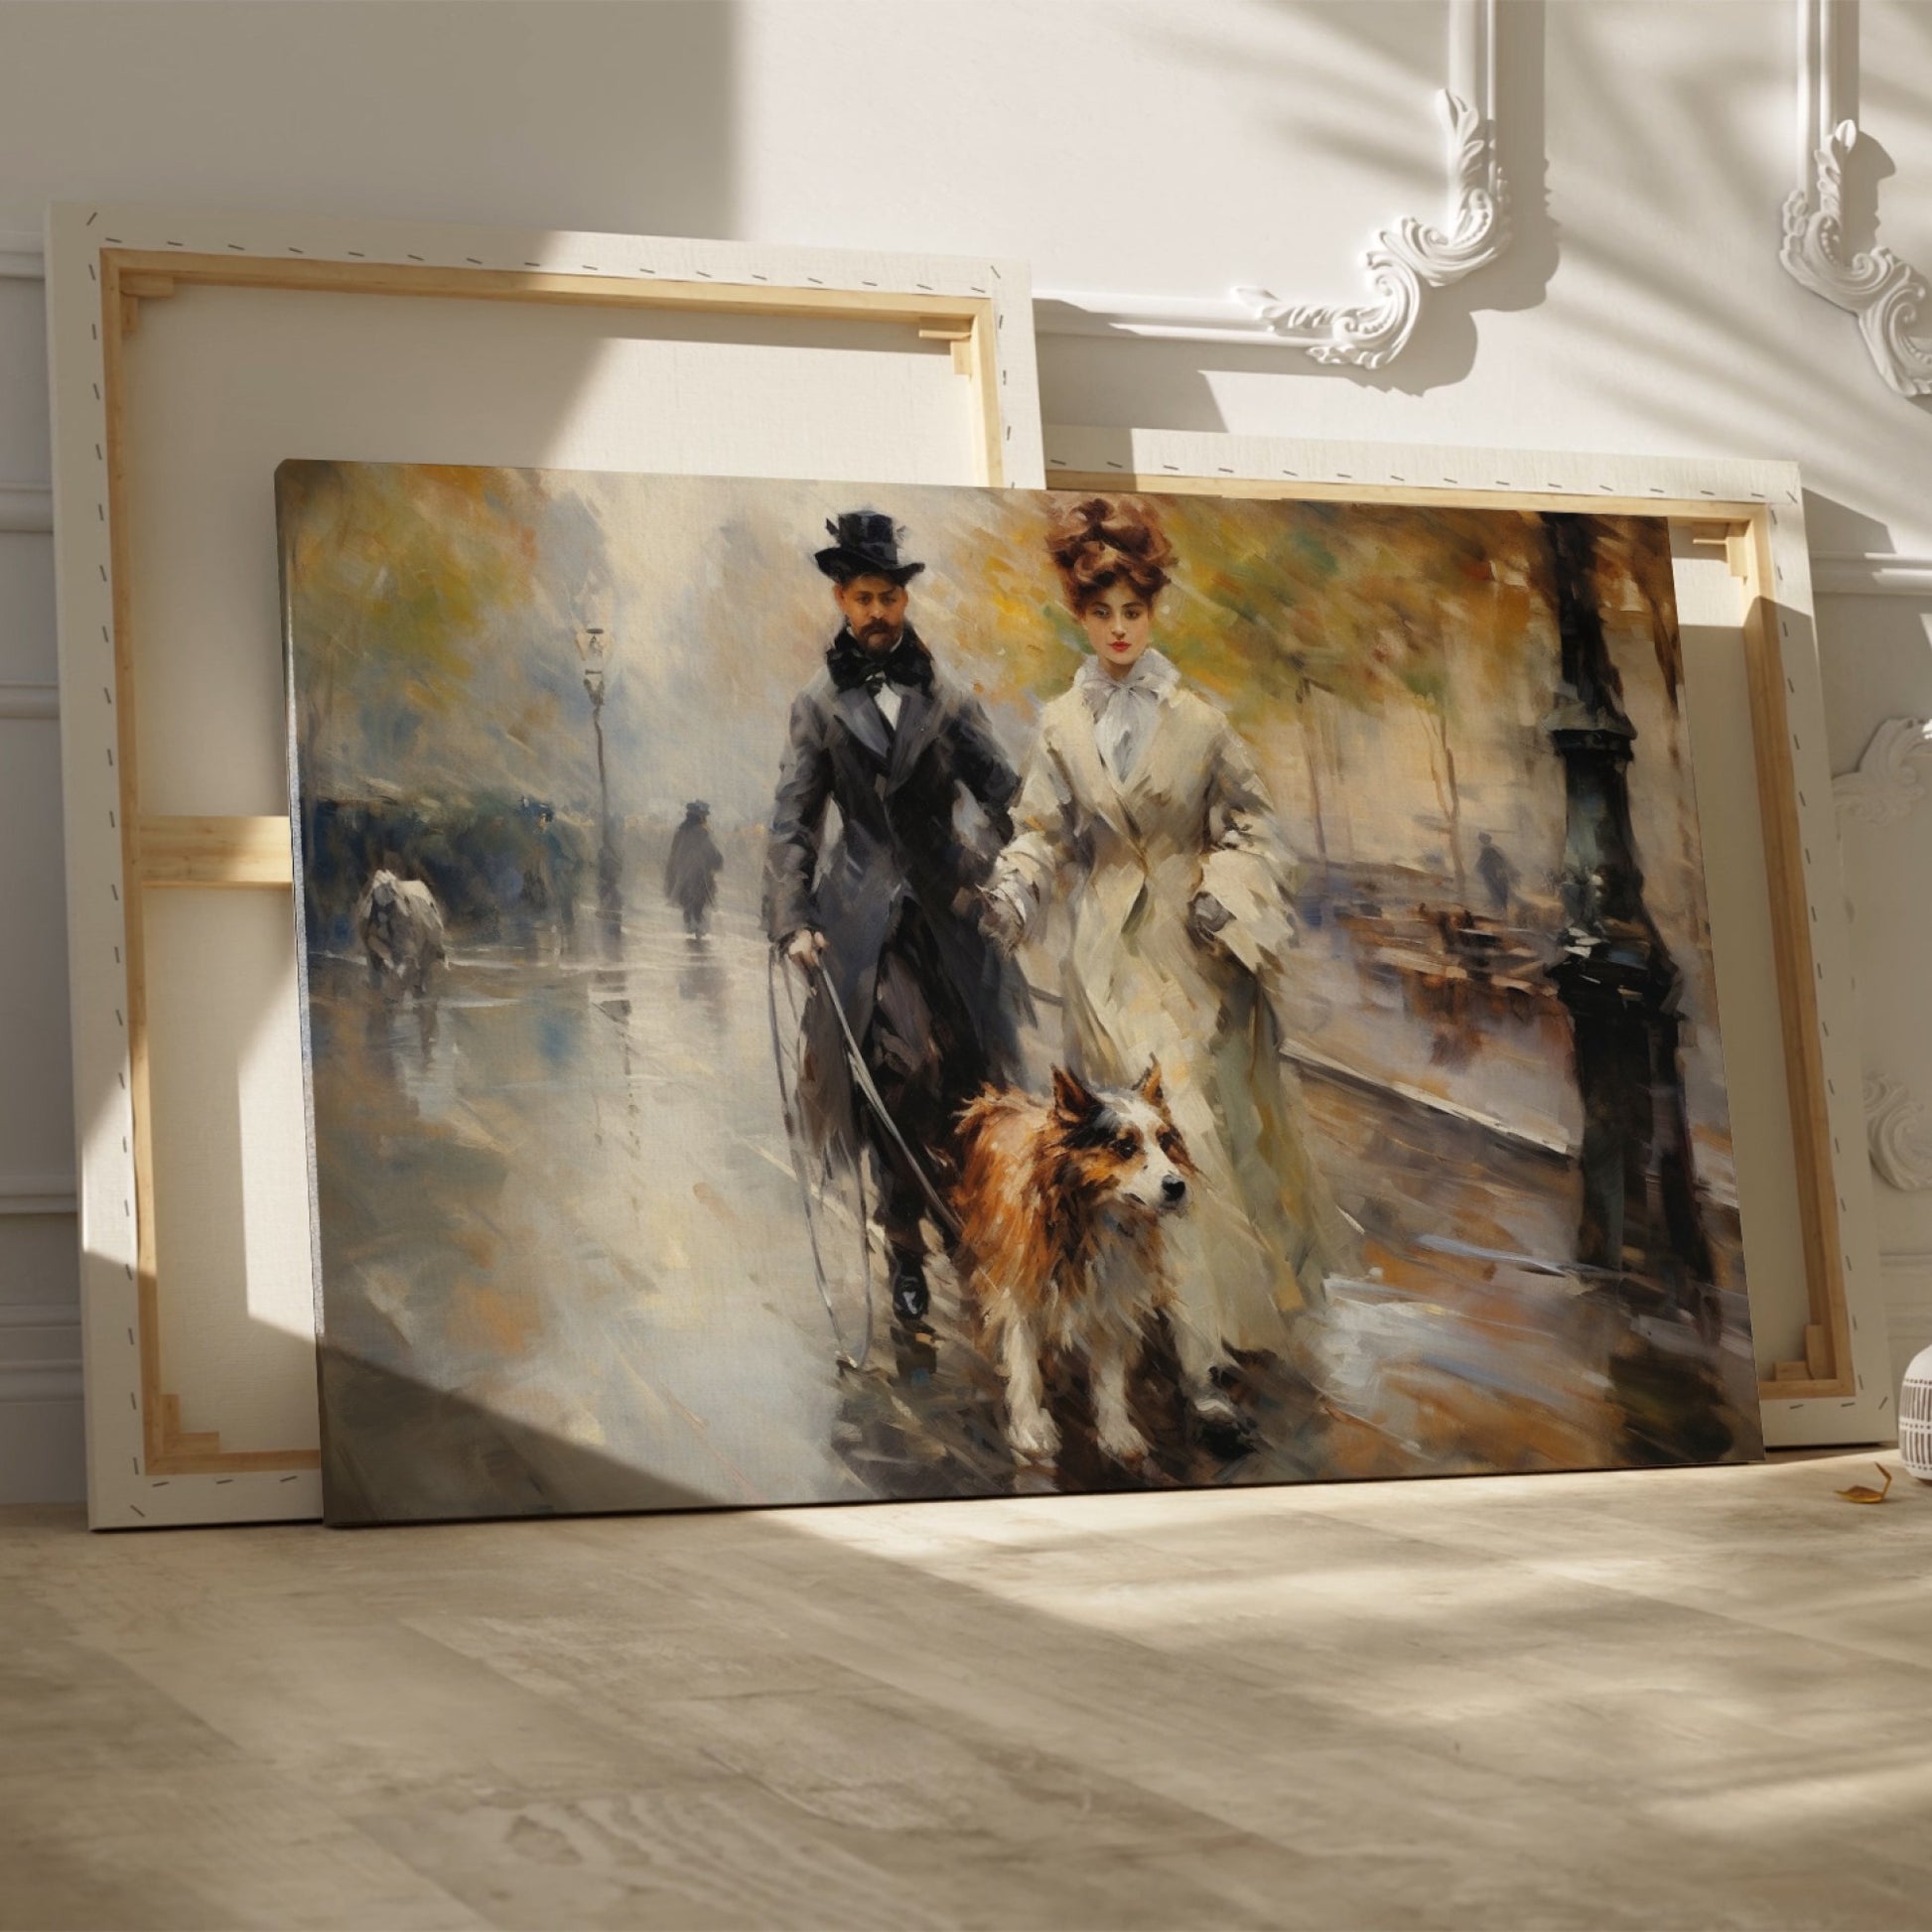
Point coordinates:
[(862, 1080)]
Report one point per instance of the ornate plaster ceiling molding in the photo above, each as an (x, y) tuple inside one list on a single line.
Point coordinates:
[(1405, 262), (1887, 295), (1899, 1130), (1887, 785)]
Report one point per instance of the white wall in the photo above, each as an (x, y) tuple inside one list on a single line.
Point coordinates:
[(1123, 145)]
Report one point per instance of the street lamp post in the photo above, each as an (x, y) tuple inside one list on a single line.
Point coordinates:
[(595, 652), (1615, 976)]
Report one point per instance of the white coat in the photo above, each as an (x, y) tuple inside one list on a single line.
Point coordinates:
[(1129, 858)]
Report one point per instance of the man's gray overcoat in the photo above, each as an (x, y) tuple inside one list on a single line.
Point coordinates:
[(899, 855)]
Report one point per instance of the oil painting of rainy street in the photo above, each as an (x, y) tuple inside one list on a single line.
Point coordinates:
[(818, 993)]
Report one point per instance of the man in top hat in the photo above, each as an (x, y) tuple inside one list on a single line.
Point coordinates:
[(884, 920)]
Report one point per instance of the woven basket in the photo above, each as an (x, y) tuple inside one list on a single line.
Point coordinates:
[(1915, 1417)]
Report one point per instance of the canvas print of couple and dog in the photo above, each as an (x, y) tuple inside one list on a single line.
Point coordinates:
[(820, 993)]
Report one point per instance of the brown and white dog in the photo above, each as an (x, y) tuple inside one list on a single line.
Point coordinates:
[(1062, 1203)]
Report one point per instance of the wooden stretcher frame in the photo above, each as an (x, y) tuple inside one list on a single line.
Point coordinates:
[(145, 1468), (1752, 512)]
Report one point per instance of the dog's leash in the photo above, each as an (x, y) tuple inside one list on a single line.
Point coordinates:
[(863, 1080), (794, 1136)]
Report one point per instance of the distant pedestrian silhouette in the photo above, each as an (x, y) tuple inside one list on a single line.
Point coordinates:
[(691, 871), (1497, 874)]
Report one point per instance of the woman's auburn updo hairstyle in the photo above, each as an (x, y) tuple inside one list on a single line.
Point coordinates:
[(1101, 541)]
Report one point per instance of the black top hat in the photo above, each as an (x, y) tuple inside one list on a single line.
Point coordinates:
[(697, 808), (865, 544)]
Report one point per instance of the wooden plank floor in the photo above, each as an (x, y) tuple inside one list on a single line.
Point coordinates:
[(1681, 1698)]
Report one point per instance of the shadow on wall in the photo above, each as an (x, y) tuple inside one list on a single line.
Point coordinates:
[(513, 115), (1876, 652), (1755, 363), (1443, 349)]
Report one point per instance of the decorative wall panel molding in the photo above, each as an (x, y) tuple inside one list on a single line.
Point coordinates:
[(1871, 573), (1887, 785), (1887, 295), (1908, 1299), (21, 258), (29, 701), (25, 507), (40, 1351), (37, 1193), (1899, 1130), (1405, 262)]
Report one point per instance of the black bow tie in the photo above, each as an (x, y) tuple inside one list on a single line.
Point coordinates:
[(907, 663)]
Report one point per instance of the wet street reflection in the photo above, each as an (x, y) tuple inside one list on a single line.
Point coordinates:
[(561, 1177)]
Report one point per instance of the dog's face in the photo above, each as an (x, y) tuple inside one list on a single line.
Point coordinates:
[(1128, 1152)]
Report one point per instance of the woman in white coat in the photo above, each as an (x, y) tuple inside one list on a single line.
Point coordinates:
[(1142, 809)]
